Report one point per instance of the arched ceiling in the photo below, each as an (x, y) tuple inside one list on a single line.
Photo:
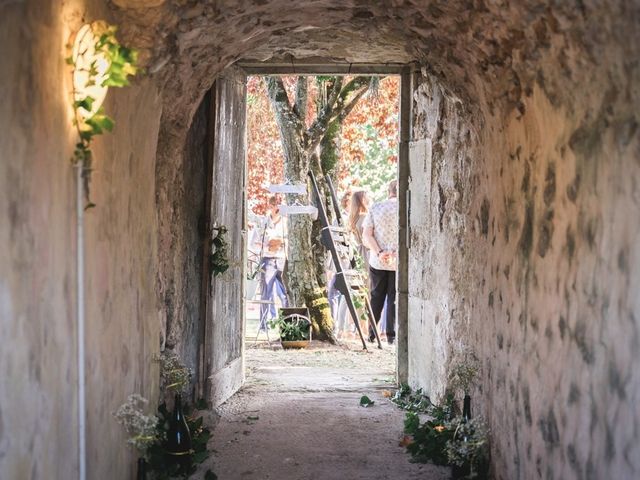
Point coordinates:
[(350, 46), (481, 50)]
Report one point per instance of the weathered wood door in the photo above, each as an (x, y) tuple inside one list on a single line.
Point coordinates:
[(222, 329)]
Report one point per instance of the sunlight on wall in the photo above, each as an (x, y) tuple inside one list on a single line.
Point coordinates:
[(87, 61)]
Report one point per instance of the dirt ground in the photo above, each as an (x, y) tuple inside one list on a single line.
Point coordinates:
[(299, 418)]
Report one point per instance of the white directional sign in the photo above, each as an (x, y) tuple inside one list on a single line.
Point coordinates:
[(297, 188), (299, 210)]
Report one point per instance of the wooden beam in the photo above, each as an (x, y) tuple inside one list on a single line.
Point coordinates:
[(201, 375), (318, 66), (402, 278)]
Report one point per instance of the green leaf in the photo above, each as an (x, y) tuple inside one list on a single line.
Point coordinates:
[(100, 122), (200, 457), (411, 423), (366, 401), (86, 103), (86, 135), (200, 441), (197, 423)]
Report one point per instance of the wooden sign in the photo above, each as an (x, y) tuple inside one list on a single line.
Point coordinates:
[(298, 188), (298, 210)]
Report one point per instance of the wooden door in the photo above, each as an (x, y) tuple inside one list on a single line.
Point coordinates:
[(222, 329)]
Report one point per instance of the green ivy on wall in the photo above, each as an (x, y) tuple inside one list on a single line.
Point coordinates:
[(99, 61)]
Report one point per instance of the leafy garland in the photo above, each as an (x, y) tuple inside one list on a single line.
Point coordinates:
[(164, 466), (444, 437), (122, 64), (147, 433), (219, 261)]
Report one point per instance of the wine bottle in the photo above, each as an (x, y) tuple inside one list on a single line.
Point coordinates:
[(466, 408), (142, 469), (178, 435)]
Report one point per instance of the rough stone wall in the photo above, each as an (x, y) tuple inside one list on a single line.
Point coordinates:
[(535, 144), (38, 370), (37, 358), (531, 239), (539, 87), (558, 288), (183, 291), (122, 309), (439, 172)]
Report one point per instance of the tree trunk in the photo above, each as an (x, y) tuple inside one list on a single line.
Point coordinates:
[(301, 267), (306, 277)]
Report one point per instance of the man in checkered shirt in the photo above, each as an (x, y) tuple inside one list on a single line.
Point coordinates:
[(380, 236)]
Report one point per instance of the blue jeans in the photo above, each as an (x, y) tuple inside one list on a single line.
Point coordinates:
[(338, 306), (271, 284)]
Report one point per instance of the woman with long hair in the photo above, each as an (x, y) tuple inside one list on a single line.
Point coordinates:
[(358, 210)]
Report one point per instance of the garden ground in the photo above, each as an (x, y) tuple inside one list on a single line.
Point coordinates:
[(299, 417)]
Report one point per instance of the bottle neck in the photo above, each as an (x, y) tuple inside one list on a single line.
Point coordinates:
[(466, 409), (177, 406)]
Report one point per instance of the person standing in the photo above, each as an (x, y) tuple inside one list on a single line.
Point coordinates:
[(345, 254), (380, 236), (357, 213), (272, 241)]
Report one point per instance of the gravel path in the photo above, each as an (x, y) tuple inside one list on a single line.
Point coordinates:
[(298, 418)]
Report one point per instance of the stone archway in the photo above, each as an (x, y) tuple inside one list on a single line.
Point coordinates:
[(512, 114), (524, 228)]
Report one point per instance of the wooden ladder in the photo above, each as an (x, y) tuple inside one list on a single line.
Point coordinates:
[(348, 282)]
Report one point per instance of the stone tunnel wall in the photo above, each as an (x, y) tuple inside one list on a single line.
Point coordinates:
[(182, 261), (38, 368), (529, 234), (531, 222)]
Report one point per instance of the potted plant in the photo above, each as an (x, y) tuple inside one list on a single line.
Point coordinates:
[(294, 327)]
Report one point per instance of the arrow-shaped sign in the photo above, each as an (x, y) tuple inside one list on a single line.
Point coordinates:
[(297, 188), (298, 210)]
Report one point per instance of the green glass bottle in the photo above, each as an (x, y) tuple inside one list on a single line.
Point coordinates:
[(178, 435)]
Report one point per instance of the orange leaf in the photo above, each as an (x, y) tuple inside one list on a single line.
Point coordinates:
[(406, 440)]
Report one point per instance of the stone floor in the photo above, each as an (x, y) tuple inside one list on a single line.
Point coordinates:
[(298, 417)]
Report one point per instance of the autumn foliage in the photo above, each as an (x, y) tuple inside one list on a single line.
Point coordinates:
[(376, 112)]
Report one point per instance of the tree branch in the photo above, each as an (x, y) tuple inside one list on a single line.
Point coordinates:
[(280, 102), (302, 95), (319, 126), (355, 84), (346, 110), (338, 110)]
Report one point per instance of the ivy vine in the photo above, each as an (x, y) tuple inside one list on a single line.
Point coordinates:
[(219, 261), (121, 64)]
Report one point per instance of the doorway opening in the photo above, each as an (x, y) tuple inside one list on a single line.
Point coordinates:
[(366, 150)]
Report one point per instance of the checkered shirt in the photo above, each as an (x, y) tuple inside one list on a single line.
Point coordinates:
[(383, 217)]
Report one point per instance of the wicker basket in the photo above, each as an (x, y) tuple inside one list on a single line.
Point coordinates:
[(296, 314), (286, 344)]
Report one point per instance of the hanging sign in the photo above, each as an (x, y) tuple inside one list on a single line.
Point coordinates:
[(298, 210), (298, 188)]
